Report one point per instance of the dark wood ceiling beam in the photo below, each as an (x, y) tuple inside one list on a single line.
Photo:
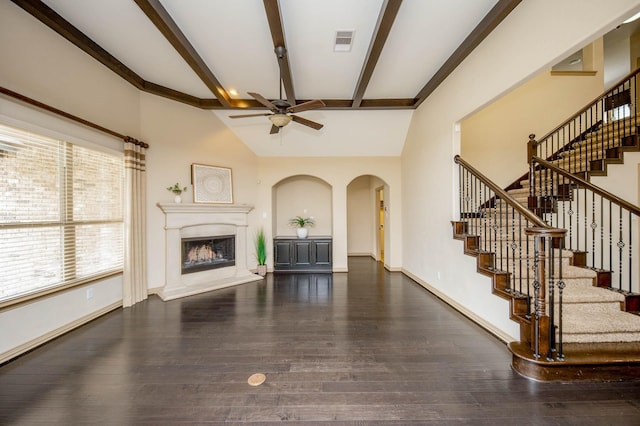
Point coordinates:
[(169, 29), (57, 23), (387, 16), (332, 104), (272, 8), (165, 92), (495, 16)]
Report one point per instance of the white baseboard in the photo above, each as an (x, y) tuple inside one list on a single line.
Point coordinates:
[(463, 310), (154, 290), (32, 344)]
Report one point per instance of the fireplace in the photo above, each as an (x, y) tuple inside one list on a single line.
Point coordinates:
[(200, 254), (206, 248)]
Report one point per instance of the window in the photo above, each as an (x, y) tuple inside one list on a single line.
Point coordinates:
[(61, 213), (618, 113)]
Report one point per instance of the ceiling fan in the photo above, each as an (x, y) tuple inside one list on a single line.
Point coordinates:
[(282, 111)]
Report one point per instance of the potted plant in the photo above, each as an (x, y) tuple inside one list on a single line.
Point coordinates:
[(177, 191), (261, 252), (300, 223)]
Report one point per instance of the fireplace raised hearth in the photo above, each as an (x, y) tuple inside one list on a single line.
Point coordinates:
[(206, 248)]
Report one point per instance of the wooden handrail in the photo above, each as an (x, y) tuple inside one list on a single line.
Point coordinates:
[(601, 192), (503, 195), (590, 104)]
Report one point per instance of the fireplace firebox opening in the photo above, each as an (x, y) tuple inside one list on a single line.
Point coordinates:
[(201, 254)]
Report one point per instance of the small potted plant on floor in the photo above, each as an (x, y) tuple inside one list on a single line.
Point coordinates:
[(177, 191), (300, 223), (261, 252)]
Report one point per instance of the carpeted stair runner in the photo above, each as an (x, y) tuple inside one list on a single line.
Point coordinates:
[(590, 314)]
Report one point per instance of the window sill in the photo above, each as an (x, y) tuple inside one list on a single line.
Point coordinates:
[(21, 299)]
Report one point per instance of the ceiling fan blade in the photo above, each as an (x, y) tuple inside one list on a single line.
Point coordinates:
[(264, 101), (306, 106), (274, 129), (306, 122), (249, 115)]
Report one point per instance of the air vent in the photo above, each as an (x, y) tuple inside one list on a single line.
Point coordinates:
[(344, 39)]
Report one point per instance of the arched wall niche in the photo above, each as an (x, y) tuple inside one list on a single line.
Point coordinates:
[(363, 216), (306, 196)]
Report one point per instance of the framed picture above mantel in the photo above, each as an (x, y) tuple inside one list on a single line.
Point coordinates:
[(211, 184)]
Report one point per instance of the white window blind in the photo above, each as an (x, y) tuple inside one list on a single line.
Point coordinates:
[(61, 213)]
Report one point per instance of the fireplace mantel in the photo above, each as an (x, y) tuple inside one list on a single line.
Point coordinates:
[(185, 220)]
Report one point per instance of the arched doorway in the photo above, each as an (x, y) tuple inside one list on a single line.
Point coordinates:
[(366, 217)]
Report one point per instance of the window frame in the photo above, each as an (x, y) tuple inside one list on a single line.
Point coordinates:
[(66, 206)]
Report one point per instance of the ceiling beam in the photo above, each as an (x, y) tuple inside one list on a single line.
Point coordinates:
[(495, 16), (387, 16), (159, 16), (57, 23), (272, 8)]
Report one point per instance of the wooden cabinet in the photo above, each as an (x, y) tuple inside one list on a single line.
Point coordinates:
[(302, 254)]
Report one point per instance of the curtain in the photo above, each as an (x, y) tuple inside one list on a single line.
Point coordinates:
[(135, 257)]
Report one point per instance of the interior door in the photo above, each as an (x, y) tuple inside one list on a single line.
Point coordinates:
[(380, 223)]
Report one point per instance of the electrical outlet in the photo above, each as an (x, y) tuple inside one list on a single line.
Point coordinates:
[(89, 293)]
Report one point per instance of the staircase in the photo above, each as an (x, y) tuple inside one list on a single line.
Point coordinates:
[(576, 294)]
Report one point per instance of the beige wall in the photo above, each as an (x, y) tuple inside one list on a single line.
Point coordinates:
[(179, 136), (419, 187), (494, 139), (40, 64), (338, 173), (532, 38), (304, 196)]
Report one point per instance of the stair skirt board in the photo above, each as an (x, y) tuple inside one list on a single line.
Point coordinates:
[(592, 362)]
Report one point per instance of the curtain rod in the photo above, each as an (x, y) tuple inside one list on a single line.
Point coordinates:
[(71, 117)]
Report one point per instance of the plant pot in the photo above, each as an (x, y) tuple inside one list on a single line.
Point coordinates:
[(302, 232), (262, 270), (177, 199)]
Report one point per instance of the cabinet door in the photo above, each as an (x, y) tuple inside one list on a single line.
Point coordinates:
[(282, 254), (302, 253), (323, 253)]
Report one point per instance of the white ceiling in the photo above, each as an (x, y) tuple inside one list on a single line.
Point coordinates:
[(234, 40)]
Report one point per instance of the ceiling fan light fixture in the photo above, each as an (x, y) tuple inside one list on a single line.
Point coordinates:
[(280, 120)]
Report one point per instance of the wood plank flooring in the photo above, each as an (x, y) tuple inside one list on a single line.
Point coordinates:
[(365, 348)]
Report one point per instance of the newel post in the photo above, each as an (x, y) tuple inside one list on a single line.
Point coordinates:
[(532, 147), (543, 330)]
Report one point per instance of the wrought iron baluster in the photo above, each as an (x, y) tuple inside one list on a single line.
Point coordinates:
[(620, 250), (536, 299), (494, 233), (630, 268), (520, 232), (460, 186), (500, 225), (561, 286), (551, 333), (594, 226), (602, 245)]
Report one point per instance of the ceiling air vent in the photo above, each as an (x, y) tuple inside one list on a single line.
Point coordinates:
[(344, 39)]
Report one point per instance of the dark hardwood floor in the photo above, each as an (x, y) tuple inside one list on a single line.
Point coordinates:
[(367, 347)]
